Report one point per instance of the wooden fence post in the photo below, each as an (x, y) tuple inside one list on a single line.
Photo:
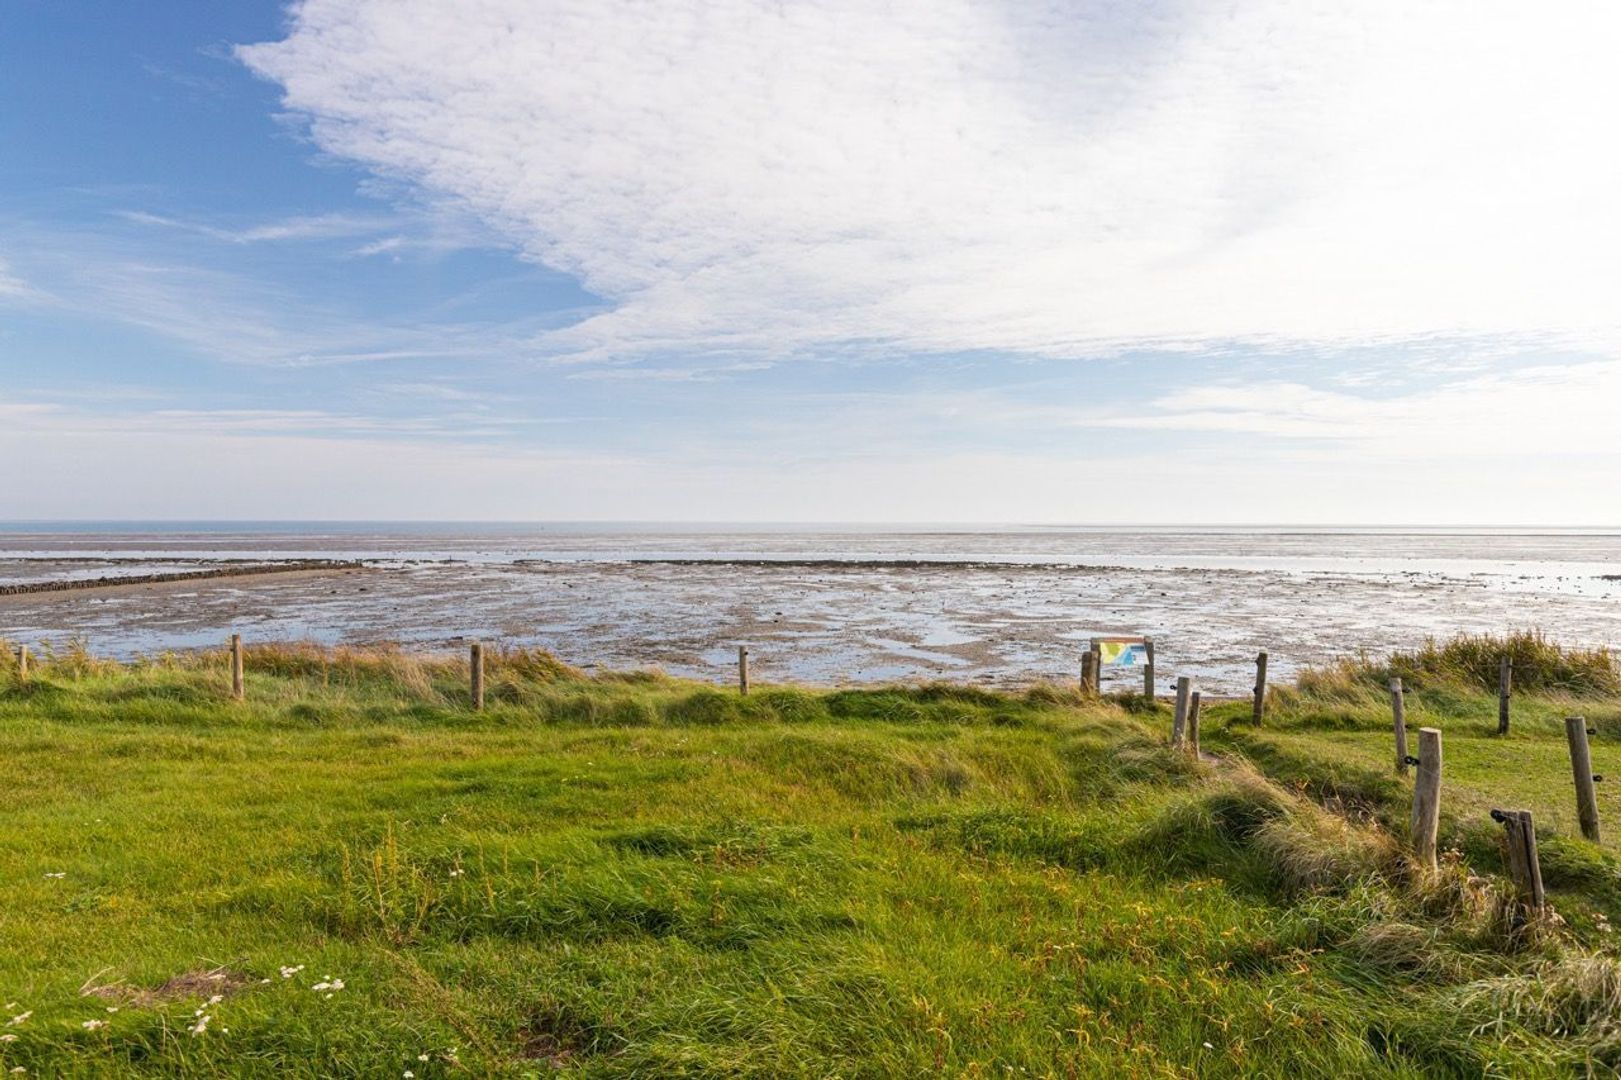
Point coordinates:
[(1505, 683), (1193, 725), (1148, 668), (236, 667), (1088, 660), (1523, 864), (1260, 687), (1398, 715), (22, 663), (1427, 797), (742, 669), (1097, 667), (1179, 720), (1581, 767), (475, 674)]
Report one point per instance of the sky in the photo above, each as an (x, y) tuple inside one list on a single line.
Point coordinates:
[(1280, 261)]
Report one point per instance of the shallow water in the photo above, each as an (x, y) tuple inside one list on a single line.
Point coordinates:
[(839, 604)]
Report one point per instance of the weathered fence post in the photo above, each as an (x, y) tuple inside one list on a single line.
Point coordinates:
[(1193, 725), (1398, 715), (236, 667), (1148, 668), (1088, 669), (475, 674), (1523, 864), (1581, 767), (1179, 719), (1427, 797), (1097, 666), (1260, 687), (742, 669), (22, 663), (1505, 683)]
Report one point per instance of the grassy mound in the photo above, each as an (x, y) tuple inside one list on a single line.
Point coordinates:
[(351, 873)]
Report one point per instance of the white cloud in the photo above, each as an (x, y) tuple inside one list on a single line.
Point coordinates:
[(1049, 179), (13, 287), (1534, 413)]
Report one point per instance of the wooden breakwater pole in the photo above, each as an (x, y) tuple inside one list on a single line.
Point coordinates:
[(1258, 711), (743, 669), (1427, 798), (475, 674), (1505, 686), (237, 689), (1193, 725), (1089, 671), (1398, 716), (1581, 767), (1179, 719), (1148, 669)]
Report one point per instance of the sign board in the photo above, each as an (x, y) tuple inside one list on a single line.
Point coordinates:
[(1123, 651)]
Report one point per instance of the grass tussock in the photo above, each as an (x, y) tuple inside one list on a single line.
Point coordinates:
[(1470, 662)]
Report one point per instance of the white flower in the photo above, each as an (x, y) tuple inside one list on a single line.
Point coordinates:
[(289, 972), (8, 1037), (19, 1018), (216, 999), (59, 875), (19, 1069), (409, 1074), (201, 1026), (1207, 1046), (112, 1008), (92, 1025), (422, 1057)]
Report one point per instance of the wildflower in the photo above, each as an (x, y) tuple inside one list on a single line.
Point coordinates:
[(409, 1074), (93, 1025), (8, 1037), (59, 875), (216, 999), (422, 1057), (1207, 1046), (19, 1069), (201, 1026), (289, 972), (112, 1008), (458, 872), (19, 1018), (329, 983)]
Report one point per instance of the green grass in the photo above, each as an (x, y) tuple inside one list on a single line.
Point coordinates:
[(633, 875)]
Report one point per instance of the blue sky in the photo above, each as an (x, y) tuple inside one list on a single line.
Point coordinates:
[(944, 261)]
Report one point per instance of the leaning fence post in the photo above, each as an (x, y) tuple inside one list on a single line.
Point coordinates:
[(1505, 683), (1427, 797), (475, 673), (1398, 714), (1193, 725), (1523, 865), (236, 667), (1581, 766), (1179, 719), (1260, 687), (1148, 668), (742, 669)]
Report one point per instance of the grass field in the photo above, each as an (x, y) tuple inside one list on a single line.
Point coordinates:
[(351, 873)]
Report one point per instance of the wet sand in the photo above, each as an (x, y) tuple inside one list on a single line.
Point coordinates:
[(827, 621)]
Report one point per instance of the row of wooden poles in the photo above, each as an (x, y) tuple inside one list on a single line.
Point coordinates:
[(1519, 826), (1426, 818)]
